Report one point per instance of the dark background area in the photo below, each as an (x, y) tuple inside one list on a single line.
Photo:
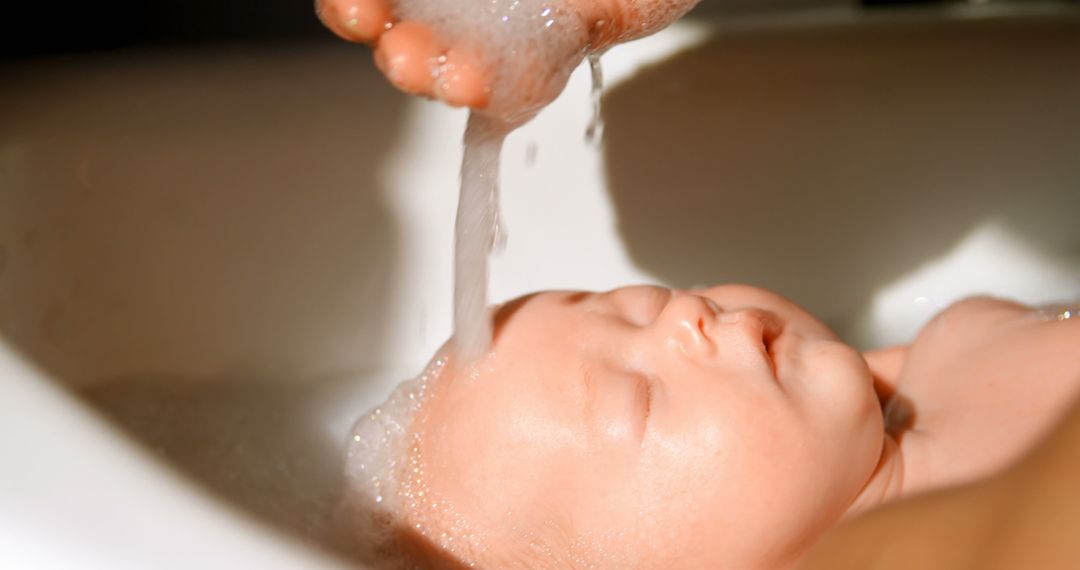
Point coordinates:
[(63, 26)]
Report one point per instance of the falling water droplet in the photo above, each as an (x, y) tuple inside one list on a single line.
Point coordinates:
[(594, 133)]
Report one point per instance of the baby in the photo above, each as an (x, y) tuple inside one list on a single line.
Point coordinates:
[(717, 428)]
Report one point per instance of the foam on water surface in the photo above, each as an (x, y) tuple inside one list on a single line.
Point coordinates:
[(379, 466)]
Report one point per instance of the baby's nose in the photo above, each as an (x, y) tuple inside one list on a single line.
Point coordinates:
[(688, 321)]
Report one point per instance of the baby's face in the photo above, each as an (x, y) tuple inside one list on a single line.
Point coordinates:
[(723, 427)]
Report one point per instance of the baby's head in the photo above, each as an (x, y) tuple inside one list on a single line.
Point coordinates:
[(718, 428)]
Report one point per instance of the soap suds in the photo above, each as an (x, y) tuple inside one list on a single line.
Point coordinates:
[(378, 474), (529, 47)]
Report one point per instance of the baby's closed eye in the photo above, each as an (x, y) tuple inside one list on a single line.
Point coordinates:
[(617, 405), (639, 305)]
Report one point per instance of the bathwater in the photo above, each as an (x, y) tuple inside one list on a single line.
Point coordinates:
[(528, 49), (477, 231), (594, 133)]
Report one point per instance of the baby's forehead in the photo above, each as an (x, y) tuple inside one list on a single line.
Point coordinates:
[(484, 441), (545, 301), (545, 317)]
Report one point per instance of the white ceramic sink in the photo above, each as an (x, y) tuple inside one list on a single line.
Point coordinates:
[(210, 261)]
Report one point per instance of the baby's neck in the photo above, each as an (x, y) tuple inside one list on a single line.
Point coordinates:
[(887, 481)]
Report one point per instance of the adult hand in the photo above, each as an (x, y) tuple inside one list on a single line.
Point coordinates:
[(417, 59)]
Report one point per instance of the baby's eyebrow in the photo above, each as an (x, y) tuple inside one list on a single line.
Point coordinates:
[(576, 298), (642, 308)]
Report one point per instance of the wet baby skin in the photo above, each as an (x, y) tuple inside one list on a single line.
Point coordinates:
[(645, 428), (718, 428)]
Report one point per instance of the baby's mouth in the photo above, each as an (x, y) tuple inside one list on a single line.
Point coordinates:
[(770, 341), (774, 340), (761, 328), (771, 333)]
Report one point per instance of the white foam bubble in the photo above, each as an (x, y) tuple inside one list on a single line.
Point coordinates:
[(387, 490), (376, 465)]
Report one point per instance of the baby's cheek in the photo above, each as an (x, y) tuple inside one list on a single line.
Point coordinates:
[(836, 389), (722, 493), (843, 415), (664, 506), (490, 472)]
